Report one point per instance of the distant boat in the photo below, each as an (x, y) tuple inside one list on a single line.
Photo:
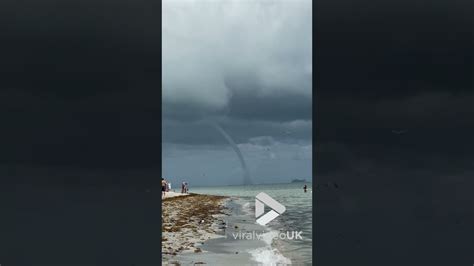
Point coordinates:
[(298, 181)]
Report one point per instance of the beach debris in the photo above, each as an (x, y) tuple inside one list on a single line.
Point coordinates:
[(197, 250), (185, 225)]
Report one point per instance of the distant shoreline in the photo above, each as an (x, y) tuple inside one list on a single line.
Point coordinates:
[(260, 184)]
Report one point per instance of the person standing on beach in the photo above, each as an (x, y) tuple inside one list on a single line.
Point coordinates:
[(183, 186), (305, 188), (163, 187)]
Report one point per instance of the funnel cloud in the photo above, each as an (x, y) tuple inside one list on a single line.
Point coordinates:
[(246, 66), (246, 177)]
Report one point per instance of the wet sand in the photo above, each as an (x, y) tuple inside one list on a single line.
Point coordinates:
[(227, 250)]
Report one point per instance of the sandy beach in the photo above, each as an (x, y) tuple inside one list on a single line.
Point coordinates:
[(171, 194), (202, 229), (188, 221)]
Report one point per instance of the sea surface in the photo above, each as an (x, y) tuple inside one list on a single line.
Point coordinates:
[(297, 218)]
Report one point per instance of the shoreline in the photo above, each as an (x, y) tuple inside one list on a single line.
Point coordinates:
[(172, 194), (188, 221), (214, 242)]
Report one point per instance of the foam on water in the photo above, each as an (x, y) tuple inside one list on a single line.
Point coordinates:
[(268, 255), (247, 208), (298, 217)]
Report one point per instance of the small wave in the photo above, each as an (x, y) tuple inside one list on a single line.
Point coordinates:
[(247, 208), (268, 255)]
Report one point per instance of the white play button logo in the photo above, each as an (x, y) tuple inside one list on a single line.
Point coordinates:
[(263, 199)]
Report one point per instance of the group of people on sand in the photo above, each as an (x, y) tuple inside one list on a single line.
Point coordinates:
[(166, 187)]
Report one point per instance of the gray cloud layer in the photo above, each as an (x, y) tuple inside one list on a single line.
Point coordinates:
[(244, 64)]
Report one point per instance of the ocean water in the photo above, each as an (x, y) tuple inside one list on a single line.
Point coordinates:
[(278, 250)]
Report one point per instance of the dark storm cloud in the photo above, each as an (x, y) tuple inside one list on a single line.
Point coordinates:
[(264, 45), (200, 133), (247, 66), (283, 106), (79, 83), (236, 61), (246, 102)]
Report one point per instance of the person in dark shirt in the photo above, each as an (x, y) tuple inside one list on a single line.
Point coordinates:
[(163, 187)]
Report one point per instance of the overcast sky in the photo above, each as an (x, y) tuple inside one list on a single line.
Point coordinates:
[(247, 66)]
